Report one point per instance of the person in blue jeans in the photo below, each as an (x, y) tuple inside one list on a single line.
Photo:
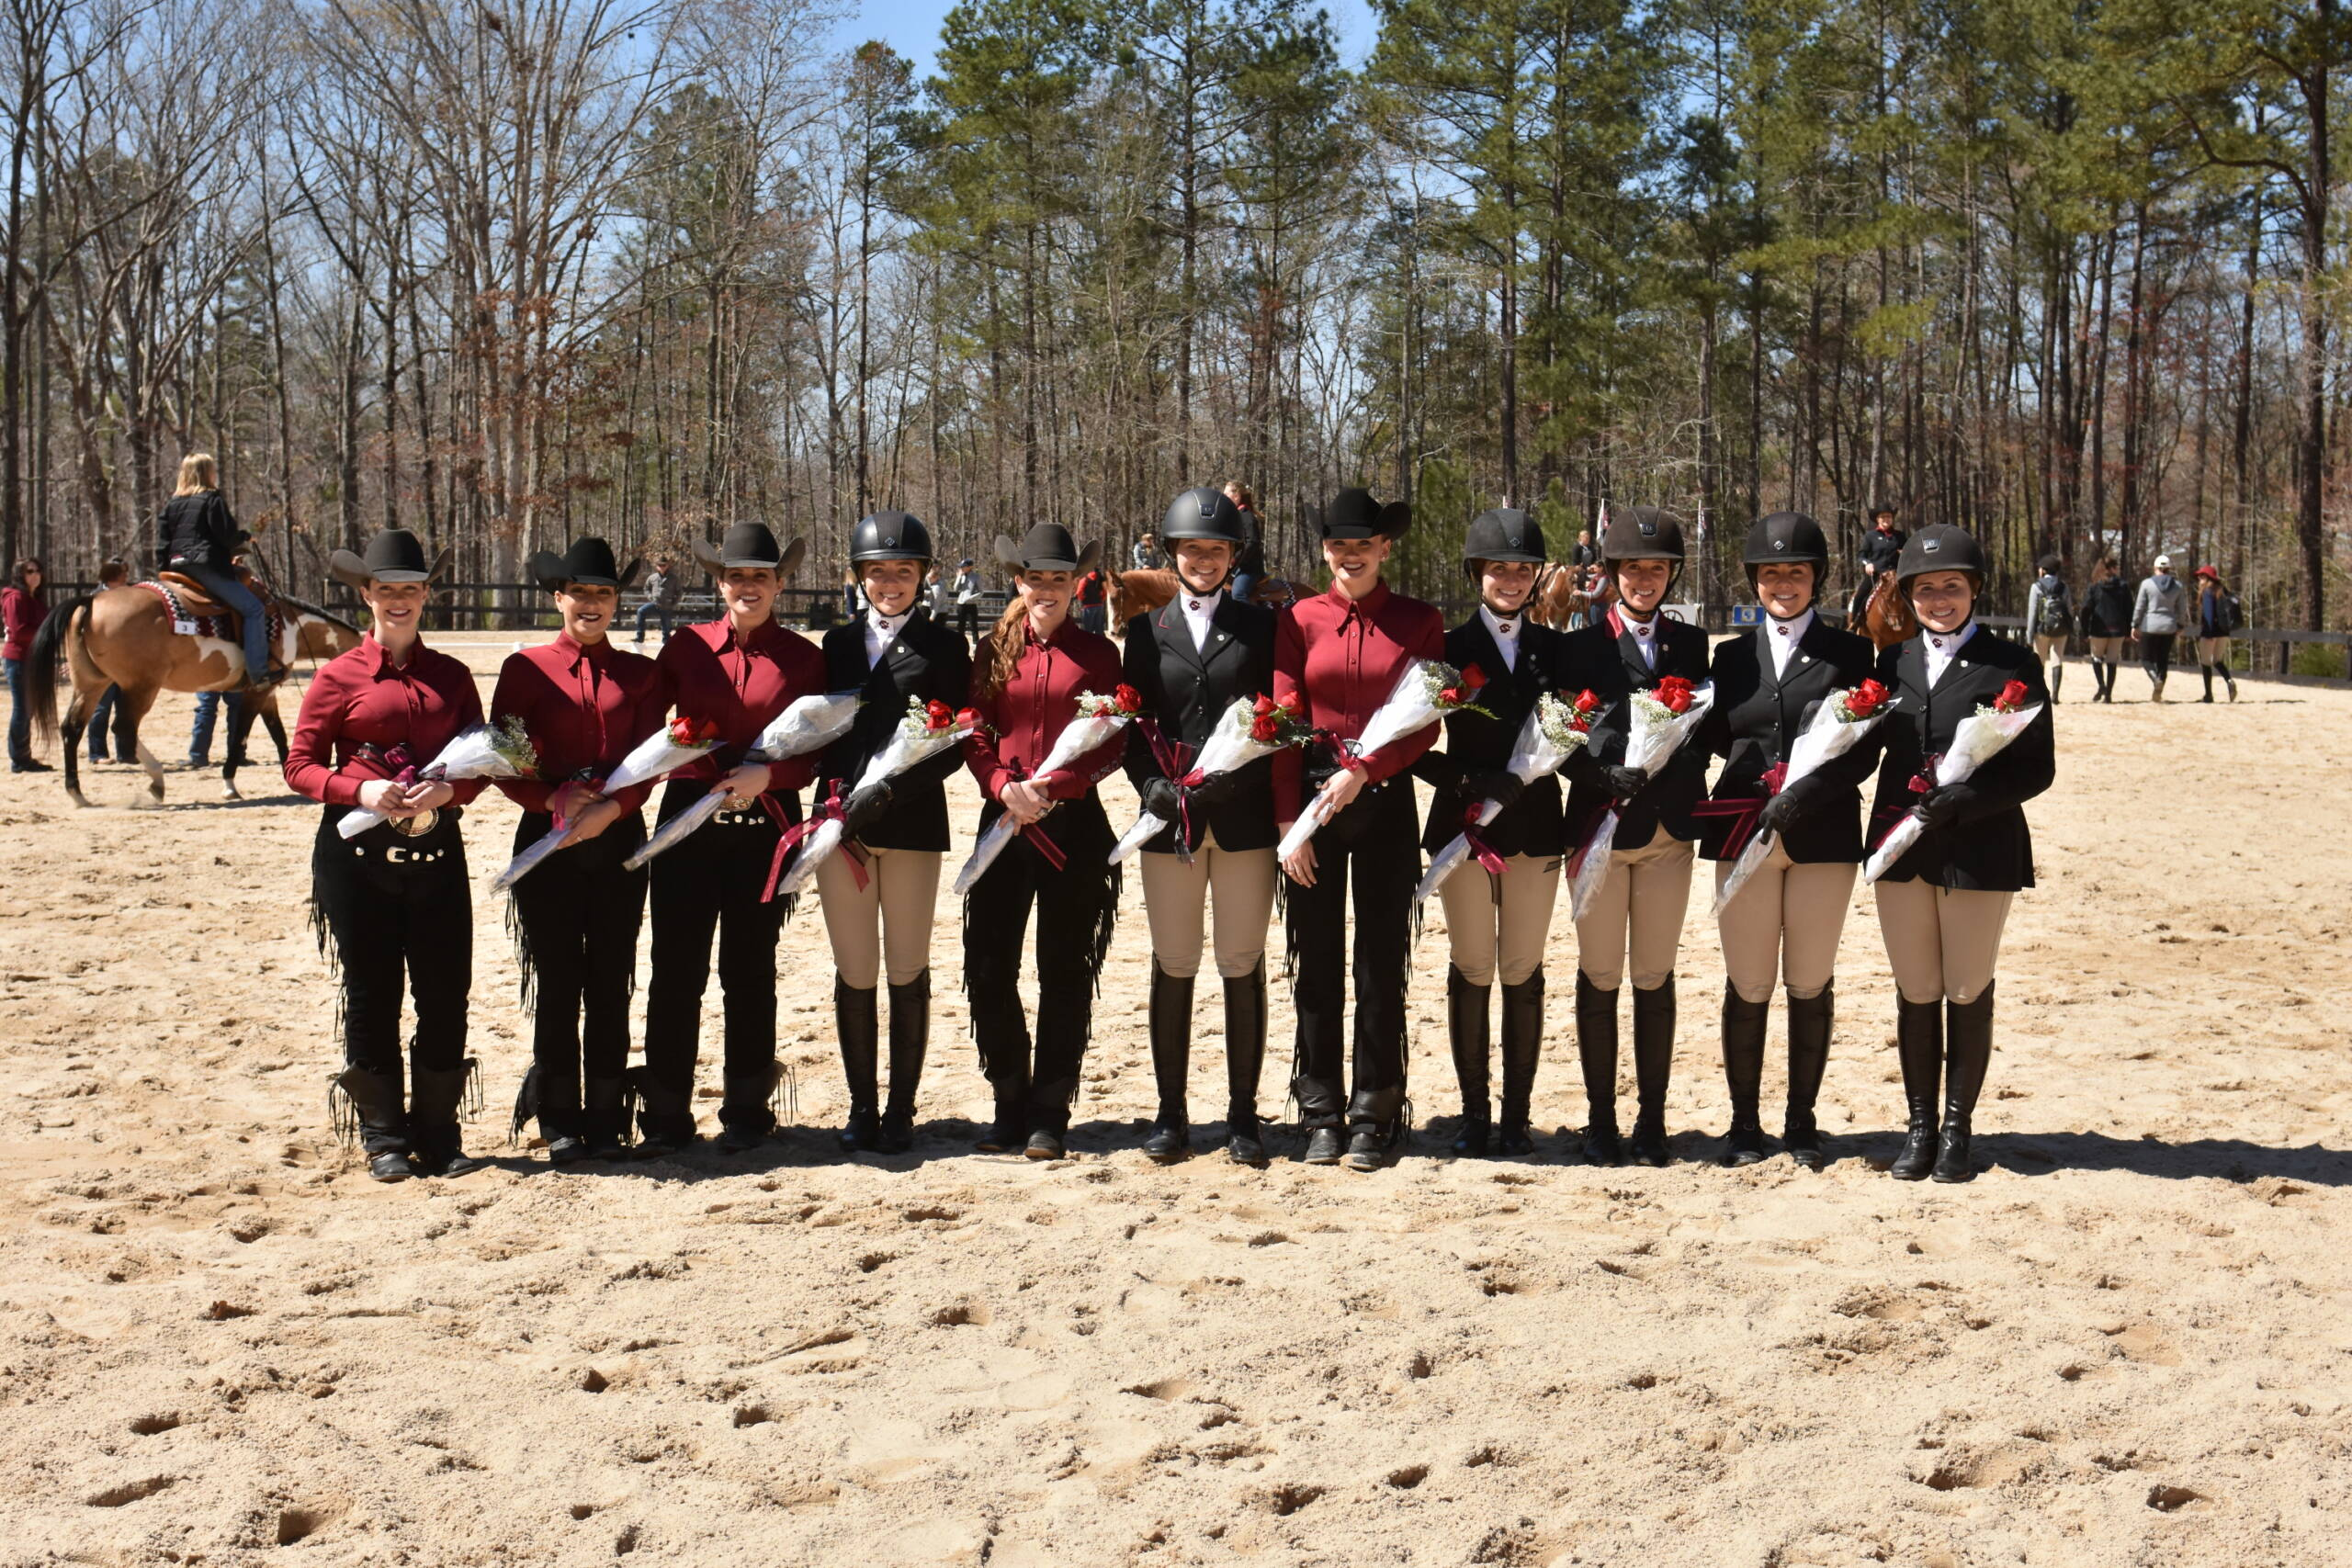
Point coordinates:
[(115, 573), (197, 538), (208, 718), (24, 605)]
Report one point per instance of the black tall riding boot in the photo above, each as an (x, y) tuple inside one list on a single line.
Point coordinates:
[(2207, 670), (1653, 1068), (605, 1117), (1170, 1017), (1968, 1051), (378, 1120), (857, 1020), (1596, 1055), (1466, 1029), (433, 1116), (2099, 678), (1744, 1026), (1245, 1055), (1919, 1043), (665, 1116), (910, 1044), (746, 1106), (1810, 1021), (1523, 1049)]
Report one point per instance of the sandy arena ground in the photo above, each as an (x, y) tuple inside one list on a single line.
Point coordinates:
[(2128, 1343)]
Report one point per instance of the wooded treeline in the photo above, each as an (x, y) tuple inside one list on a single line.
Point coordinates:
[(507, 270)]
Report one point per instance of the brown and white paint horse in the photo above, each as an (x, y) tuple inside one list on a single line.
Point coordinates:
[(123, 637)]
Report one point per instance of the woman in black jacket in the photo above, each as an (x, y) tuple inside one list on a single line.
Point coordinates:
[(1639, 910), (197, 538), (1786, 919), (1941, 907), (1189, 661), (1497, 920), (879, 893), (2107, 624)]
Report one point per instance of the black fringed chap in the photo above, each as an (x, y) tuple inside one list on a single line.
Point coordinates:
[(1106, 921), (342, 1113), (783, 1097), (527, 968), (526, 1106)]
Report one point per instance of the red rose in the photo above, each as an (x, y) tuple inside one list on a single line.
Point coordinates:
[(1451, 695), (936, 709), (1473, 678), (1264, 728), (1262, 707), (1587, 702), (968, 717), (1129, 699), (2011, 699)]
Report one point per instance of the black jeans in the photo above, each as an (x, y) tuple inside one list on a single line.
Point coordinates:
[(397, 906), (708, 885), (578, 914), (1375, 843), (967, 620), (1076, 906), (2155, 653)]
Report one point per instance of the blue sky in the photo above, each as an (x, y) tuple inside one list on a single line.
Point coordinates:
[(912, 27)]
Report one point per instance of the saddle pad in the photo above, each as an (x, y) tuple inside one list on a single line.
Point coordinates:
[(223, 627)]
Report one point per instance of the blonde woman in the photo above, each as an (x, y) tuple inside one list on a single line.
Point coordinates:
[(197, 538)]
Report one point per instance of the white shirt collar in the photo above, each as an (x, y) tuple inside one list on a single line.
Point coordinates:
[(1199, 609), (1785, 636), (881, 630), (1645, 635), (1505, 630), (1942, 648)]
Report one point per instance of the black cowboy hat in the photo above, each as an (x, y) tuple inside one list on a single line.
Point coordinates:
[(589, 562), (750, 544), (1354, 514), (394, 555), (1047, 548)]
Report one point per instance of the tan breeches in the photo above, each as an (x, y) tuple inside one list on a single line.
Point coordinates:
[(1787, 919), (1943, 943), (2051, 652), (2212, 650), (891, 914), (2109, 648), (1487, 917), (1640, 905), (1240, 883)]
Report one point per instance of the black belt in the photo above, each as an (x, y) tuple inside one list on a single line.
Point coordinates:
[(401, 854), (753, 818)]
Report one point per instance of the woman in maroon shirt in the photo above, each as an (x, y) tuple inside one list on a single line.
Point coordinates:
[(23, 607), (736, 672), (395, 896), (1026, 678), (585, 704), (1337, 657)]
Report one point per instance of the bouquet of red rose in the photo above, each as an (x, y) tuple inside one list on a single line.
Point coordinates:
[(1426, 691), (928, 728), (1975, 741), (1100, 717), (683, 741), (1663, 718), (483, 752), (1836, 727), (1554, 731), (1248, 731), (806, 725)]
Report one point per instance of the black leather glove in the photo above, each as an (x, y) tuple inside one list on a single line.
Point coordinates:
[(1163, 800), (1940, 807), (1625, 782), (1790, 806), (864, 808), (1215, 787), (1499, 784)]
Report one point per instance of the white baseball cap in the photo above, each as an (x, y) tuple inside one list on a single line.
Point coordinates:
[(2164, 563)]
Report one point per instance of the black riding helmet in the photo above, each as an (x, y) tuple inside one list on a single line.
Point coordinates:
[(1505, 534), (1201, 512), (1786, 536), (889, 536), (1940, 546), (1642, 533)]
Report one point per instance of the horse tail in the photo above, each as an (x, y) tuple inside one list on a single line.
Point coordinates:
[(306, 607), (46, 658)]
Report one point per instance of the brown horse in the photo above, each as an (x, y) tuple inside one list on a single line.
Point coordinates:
[(1146, 589), (1887, 618), (123, 637), (1557, 599)]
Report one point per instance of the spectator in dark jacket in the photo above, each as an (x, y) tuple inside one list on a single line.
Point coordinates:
[(2107, 624), (2217, 617)]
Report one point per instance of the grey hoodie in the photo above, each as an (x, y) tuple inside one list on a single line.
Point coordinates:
[(2163, 604)]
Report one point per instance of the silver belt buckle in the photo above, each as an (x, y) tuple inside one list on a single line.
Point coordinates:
[(418, 826)]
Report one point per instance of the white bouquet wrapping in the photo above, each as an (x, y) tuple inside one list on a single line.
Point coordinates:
[(1658, 729), (1552, 732), (1099, 718), (1426, 691), (479, 752), (1975, 741), (927, 729), (673, 746), (1839, 724), (1249, 729), (806, 725)]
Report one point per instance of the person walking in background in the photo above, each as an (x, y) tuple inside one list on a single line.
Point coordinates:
[(852, 597), (207, 719), (2157, 616), (1145, 556), (113, 574), (1092, 611), (2049, 618), (23, 607), (660, 597), (967, 602), (2218, 616), (2107, 624), (1250, 564)]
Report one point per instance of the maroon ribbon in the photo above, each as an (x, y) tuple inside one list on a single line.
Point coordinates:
[(830, 810), (1743, 809), (1476, 841), (1920, 783), (1034, 831), (1169, 755)]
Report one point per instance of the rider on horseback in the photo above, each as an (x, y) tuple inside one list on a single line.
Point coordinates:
[(199, 539)]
